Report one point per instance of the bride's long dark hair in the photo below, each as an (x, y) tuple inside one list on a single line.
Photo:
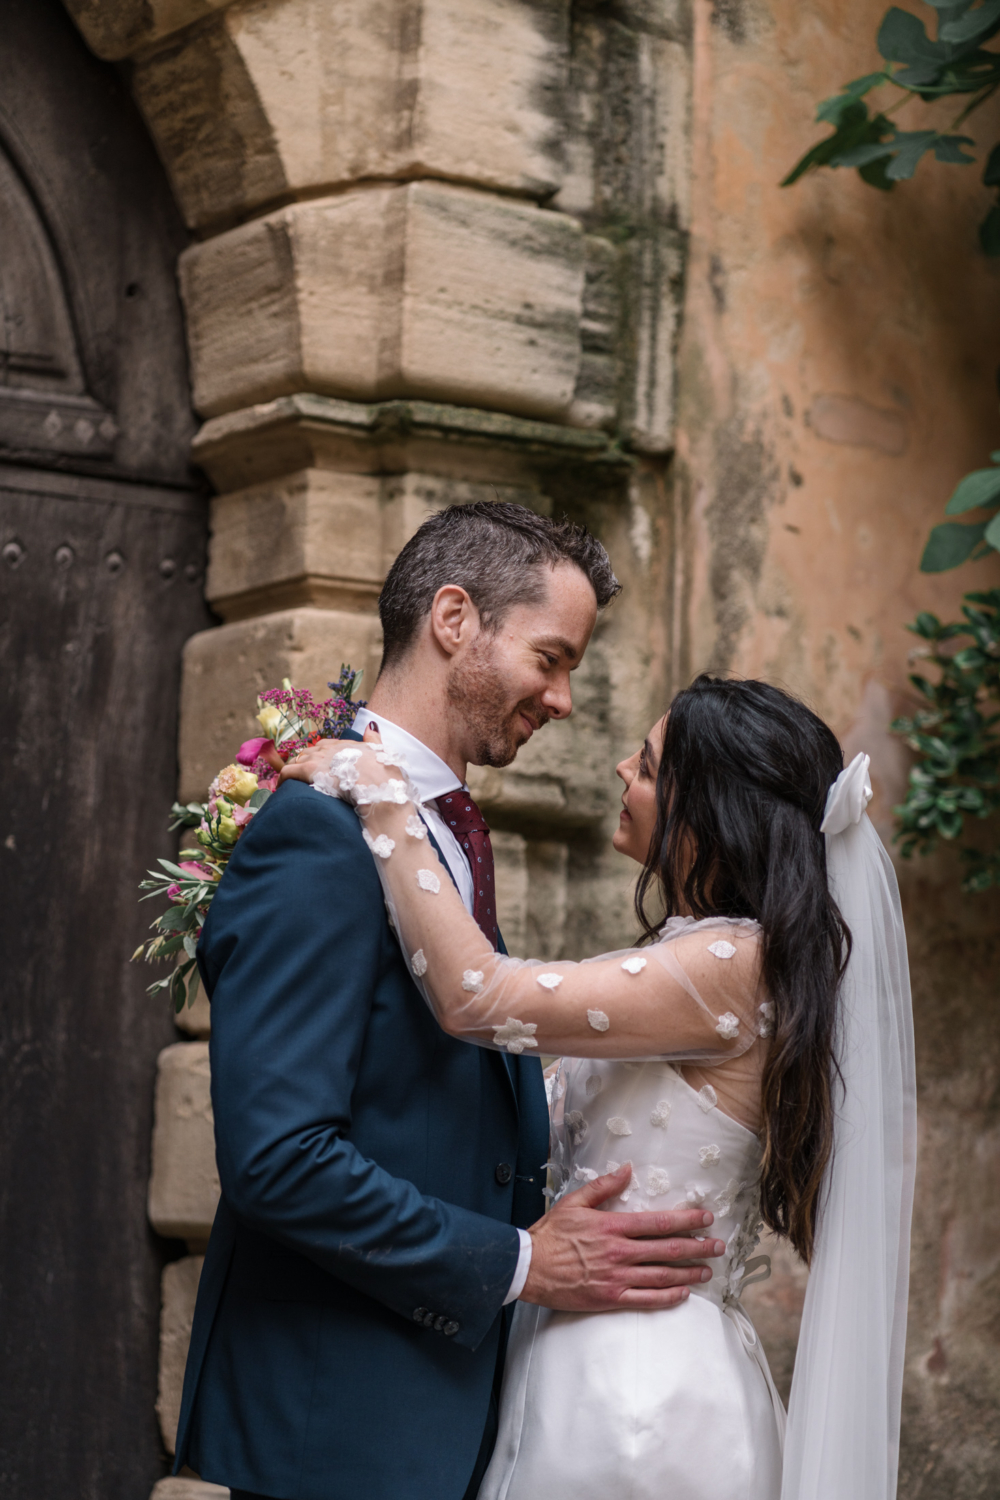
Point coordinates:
[(741, 787)]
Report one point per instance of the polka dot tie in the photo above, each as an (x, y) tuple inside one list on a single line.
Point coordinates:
[(472, 831)]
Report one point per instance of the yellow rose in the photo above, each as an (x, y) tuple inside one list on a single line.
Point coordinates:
[(226, 831), (237, 784), (269, 720)]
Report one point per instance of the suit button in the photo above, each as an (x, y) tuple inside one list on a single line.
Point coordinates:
[(504, 1173), (439, 1323), (450, 1329), (429, 1320), (419, 1314)]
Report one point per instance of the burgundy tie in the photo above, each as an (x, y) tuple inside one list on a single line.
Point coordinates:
[(472, 831)]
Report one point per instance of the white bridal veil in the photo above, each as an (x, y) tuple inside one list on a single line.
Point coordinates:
[(842, 1441)]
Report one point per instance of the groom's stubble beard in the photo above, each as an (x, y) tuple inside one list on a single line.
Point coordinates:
[(476, 687)]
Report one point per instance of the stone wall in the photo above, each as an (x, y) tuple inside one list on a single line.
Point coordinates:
[(837, 375)]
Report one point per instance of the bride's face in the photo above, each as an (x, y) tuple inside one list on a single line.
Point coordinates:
[(638, 817)]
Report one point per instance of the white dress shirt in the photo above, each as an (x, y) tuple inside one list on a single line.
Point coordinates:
[(433, 778)]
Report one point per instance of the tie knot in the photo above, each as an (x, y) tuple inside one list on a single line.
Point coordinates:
[(461, 813)]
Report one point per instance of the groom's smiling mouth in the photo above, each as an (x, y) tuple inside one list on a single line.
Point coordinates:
[(532, 724)]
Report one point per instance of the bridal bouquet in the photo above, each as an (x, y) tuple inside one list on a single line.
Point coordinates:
[(290, 720)]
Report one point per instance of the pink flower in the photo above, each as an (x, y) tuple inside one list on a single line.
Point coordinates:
[(173, 891), (261, 749), (242, 816)]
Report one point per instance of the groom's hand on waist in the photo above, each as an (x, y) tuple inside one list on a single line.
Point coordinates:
[(586, 1260)]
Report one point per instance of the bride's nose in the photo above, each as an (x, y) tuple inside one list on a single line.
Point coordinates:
[(626, 770)]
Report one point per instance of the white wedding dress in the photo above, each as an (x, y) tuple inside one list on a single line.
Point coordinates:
[(671, 1405)]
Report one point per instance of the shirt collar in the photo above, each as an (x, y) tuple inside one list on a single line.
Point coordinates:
[(431, 776)]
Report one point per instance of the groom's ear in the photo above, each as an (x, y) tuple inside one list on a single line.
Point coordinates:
[(454, 619)]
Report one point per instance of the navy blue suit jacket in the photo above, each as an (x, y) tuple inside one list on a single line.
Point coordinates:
[(373, 1169)]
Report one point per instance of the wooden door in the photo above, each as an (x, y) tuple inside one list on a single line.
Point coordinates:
[(102, 551)]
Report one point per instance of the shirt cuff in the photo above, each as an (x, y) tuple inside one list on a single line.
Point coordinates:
[(521, 1269)]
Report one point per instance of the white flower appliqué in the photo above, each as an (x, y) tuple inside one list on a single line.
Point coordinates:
[(594, 1085), (383, 845), (384, 758), (618, 1125), (709, 1155), (707, 1098), (418, 963), (415, 827), (660, 1114), (728, 1026), (598, 1020), (550, 981), (694, 1197), (577, 1127), (584, 1174), (657, 1182), (340, 775), (390, 791), (472, 981), (766, 1012), (722, 949), (515, 1035), (428, 881), (634, 965), (724, 1201)]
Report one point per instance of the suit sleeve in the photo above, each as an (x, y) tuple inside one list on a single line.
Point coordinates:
[(289, 957)]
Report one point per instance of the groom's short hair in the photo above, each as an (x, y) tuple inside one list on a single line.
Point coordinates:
[(496, 551)]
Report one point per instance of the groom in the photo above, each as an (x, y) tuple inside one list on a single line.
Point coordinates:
[(381, 1181)]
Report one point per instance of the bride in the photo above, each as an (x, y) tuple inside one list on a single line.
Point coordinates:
[(752, 1055)]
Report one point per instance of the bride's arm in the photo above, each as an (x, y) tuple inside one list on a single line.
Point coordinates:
[(693, 998)]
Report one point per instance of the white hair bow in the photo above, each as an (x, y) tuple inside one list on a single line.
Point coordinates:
[(848, 797)]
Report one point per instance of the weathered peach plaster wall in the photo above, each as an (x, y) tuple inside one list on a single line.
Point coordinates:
[(837, 376)]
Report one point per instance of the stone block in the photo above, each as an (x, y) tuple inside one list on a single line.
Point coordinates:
[(548, 895), (184, 1183), (117, 29), (424, 290), (511, 874), (655, 267), (225, 669), (322, 538), (282, 98), (305, 431), (311, 538), (188, 1489), (178, 1291)]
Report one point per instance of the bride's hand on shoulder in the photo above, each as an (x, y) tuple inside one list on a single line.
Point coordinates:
[(307, 764)]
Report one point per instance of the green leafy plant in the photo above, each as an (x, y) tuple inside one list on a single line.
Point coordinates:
[(915, 67), (956, 736)]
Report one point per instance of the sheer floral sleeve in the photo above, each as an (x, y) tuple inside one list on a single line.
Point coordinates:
[(693, 998)]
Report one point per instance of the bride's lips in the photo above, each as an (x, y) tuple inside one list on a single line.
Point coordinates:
[(625, 816)]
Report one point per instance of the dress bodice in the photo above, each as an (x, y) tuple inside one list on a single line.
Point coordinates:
[(685, 1152)]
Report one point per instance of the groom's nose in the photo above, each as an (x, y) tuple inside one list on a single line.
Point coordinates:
[(557, 699)]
